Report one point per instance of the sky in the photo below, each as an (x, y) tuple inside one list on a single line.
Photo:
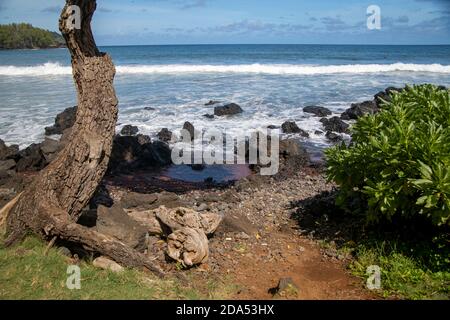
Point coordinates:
[(140, 22)]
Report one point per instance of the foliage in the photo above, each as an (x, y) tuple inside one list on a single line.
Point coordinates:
[(25, 36), (398, 163)]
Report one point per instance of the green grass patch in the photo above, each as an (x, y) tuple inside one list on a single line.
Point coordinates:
[(26, 273), (403, 275)]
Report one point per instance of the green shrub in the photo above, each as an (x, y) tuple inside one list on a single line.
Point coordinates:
[(398, 164)]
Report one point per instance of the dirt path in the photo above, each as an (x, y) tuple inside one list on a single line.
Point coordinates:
[(259, 243)]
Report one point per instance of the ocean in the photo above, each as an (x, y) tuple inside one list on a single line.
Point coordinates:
[(272, 83)]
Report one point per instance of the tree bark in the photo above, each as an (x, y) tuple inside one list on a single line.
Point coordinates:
[(51, 205)]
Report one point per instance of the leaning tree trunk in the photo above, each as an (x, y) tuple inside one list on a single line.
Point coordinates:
[(51, 205)]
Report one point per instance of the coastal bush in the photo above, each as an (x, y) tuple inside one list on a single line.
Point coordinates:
[(398, 163)]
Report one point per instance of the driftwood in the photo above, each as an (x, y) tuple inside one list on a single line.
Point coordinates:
[(180, 218), (188, 246), (53, 202)]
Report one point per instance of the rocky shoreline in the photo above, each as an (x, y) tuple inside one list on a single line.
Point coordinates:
[(255, 228)]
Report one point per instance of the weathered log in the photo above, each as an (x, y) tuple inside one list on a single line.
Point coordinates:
[(180, 218), (188, 246), (53, 202)]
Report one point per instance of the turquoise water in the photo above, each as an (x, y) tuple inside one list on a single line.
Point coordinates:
[(272, 83)]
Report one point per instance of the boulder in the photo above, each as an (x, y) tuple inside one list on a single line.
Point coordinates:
[(50, 149), (64, 120), (335, 124), (189, 127), (358, 110), (317, 111), (116, 223), (228, 110), (165, 135), (31, 159), (107, 264), (134, 152), (208, 116), (8, 152), (333, 137), (6, 165), (129, 130), (291, 127)]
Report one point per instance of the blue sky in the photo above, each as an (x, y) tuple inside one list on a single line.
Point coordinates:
[(126, 22)]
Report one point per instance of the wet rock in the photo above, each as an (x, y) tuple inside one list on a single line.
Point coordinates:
[(211, 103), (318, 132), (335, 124), (291, 127), (165, 135), (333, 137), (64, 120), (208, 116), (129, 130), (189, 127), (228, 110), (317, 111), (272, 127), (358, 110), (149, 109), (8, 152), (136, 152), (107, 264)]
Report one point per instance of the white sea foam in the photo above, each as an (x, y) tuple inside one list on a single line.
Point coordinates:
[(50, 68)]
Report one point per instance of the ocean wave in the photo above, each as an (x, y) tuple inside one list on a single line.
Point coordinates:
[(50, 69)]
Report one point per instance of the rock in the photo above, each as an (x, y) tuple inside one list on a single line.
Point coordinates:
[(317, 111), (135, 152), (64, 251), (208, 116), (358, 110), (291, 127), (189, 127), (6, 165), (129, 130), (333, 137), (64, 120), (165, 135), (107, 264), (188, 246), (291, 148), (202, 207), (149, 109), (31, 159), (148, 220), (211, 103), (228, 110), (318, 132), (8, 152), (335, 124), (243, 236), (272, 127), (50, 149), (237, 222), (138, 200), (116, 223), (198, 167), (286, 288)]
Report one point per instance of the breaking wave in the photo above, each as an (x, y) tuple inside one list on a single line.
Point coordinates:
[(55, 69)]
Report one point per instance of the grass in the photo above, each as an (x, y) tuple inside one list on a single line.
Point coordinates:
[(26, 273), (403, 276)]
